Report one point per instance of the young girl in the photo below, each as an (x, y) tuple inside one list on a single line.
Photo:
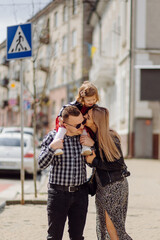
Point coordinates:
[(86, 99)]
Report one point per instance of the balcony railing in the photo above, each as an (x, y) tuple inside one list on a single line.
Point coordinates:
[(103, 71), (4, 82)]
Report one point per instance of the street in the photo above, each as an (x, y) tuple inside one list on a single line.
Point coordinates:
[(29, 221), (143, 220)]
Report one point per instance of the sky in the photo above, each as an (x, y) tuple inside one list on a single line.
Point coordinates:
[(13, 12)]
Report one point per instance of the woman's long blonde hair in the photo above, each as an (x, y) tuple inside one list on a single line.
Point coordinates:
[(105, 135)]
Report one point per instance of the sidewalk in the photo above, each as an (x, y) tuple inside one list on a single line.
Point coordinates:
[(29, 221)]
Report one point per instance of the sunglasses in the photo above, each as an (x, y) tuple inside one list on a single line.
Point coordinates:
[(78, 125)]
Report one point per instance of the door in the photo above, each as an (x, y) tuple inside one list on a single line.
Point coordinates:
[(143, 138)]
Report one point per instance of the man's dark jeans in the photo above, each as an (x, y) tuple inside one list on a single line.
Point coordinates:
[(62, 204)]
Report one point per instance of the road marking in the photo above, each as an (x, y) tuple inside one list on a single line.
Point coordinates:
[(4, 186)]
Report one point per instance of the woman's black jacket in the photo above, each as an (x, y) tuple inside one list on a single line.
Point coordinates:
[(110, 172)]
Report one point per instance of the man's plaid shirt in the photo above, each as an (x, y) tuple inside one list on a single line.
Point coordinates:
[(68, 169)]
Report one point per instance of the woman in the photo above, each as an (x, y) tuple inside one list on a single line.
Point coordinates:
[(112, 186)]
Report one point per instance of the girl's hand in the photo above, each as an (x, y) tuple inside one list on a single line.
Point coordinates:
[(89, 159), (86, 140)]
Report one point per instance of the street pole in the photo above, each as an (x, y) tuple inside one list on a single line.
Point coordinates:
[(22, 140), (34, 135)]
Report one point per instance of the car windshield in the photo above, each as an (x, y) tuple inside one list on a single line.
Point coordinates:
[(18, 131), (11, 142)]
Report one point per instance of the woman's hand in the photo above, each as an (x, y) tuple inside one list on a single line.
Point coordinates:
[(89, 159), (86, 140)]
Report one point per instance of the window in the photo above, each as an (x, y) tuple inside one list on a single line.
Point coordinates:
[(11, 142), (64, 44), (123, 99), (55, 49), (64, 75), (65, 14), (150, 84), (62, 102), (47, 25), (123, 22), (56, 19), (53, 108), (74, 6), (54, 82), (73, 71), (74, 38)]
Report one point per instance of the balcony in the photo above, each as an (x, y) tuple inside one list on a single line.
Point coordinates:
[(102, 71), (4, 82), (43, 65), (4, 104), (5, 62), (44, 38)]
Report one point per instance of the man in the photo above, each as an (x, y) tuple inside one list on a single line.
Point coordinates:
[(67, 191)]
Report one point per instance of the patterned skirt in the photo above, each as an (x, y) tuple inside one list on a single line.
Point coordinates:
[(113, 198)]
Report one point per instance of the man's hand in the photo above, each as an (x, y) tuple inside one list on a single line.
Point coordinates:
[(89, 159), (56, 144), (86, 140)]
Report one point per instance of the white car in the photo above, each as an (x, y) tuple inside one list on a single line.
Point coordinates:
[(27, 130), (10, 152)]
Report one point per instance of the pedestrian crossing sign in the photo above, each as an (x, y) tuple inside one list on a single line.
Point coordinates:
[(19, 41)]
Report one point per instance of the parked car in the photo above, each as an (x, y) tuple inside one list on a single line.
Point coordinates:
[(10, 152), (26, 130)]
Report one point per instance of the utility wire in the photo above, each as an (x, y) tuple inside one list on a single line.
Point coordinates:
[(23, 4), (14, 11)]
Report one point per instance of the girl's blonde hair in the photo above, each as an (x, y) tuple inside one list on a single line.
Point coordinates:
[(87, 89), (105, 136)]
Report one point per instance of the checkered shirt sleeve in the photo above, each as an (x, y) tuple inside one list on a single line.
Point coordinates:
[(47, 154)]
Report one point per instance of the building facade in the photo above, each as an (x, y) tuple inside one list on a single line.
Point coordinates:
[(126, 69)]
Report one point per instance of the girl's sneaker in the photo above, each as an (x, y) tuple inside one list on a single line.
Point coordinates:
[(58, 152), (86, 151)]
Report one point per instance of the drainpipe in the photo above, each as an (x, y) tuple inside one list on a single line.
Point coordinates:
[(93, 10), (129, 153), (68, 51), (100, 36)]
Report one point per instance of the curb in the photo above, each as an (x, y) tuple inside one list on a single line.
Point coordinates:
[(36, 201)]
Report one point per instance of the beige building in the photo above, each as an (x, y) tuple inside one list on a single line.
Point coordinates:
[(60, 61), (126, 69)]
